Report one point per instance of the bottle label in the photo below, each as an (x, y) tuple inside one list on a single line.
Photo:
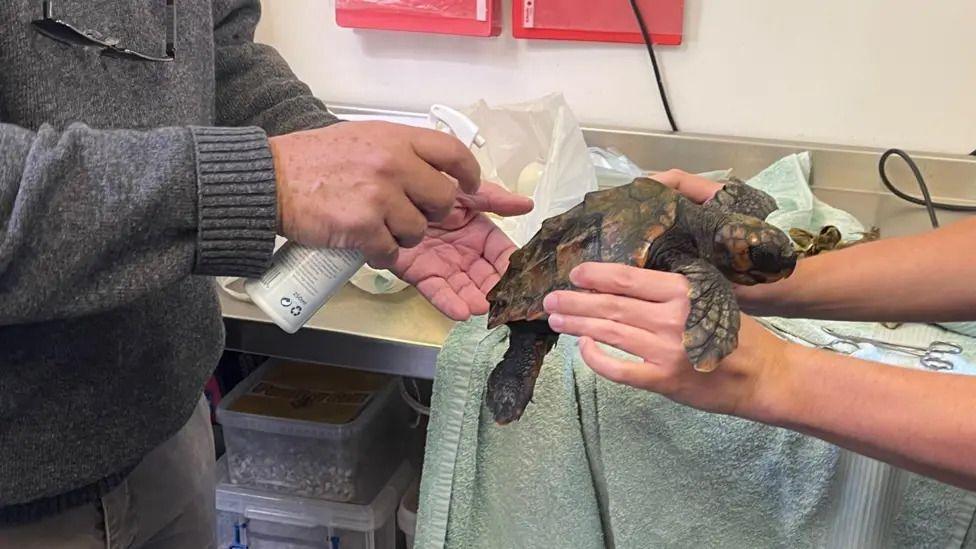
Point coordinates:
[(301, 280)]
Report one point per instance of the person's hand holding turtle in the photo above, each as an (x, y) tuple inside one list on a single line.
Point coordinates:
[(595, 263), (644, 312)]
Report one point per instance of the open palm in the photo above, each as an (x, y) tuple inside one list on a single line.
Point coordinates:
[(462, 257)]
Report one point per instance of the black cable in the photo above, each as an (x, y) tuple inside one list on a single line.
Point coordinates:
[(657, 73), (926, 199)]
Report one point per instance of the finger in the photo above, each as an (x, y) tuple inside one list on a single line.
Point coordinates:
[(644, 284), (659, 318), (444, 298), (430, 191), (481, 272), (406, 223), (503, 260), (635, 374), (381, 250), (615, 334), (470, 293), (494, 198), (489, 283), (447, 154), (694, 187)]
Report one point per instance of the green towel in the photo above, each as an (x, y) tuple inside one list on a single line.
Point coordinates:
[(593, 464), (488, 487)]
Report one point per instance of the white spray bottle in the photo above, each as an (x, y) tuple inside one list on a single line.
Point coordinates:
[(302, 279)]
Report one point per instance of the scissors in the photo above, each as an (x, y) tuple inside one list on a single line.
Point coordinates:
[(841, 346), (934, 357)]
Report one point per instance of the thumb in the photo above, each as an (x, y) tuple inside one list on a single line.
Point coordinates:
[(694, 187), (493, 198)]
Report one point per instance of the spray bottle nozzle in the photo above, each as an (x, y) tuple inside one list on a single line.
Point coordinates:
[(448, 120)]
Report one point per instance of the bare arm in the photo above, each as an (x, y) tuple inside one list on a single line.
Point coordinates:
[(917, 420), (925, 278)]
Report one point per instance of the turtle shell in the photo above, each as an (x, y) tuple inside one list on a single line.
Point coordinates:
[(615, 225)]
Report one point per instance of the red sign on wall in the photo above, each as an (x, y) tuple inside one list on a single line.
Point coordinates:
[(598, 21), (462, 17)]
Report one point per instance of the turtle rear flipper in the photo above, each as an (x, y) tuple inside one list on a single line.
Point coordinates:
[(712, 328), (512, 382)]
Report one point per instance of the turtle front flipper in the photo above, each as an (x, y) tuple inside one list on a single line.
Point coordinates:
[(512, 382), (712, 328)]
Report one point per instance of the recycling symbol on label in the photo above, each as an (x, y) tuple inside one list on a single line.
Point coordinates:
[(296, 310)]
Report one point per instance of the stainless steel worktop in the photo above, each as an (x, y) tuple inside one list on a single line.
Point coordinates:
[(401, 333)]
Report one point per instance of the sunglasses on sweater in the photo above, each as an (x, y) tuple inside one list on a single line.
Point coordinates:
[(69, 34)]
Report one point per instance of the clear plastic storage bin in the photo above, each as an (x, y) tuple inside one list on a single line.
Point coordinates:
[(407, 513), (268, 520), (314, 431)]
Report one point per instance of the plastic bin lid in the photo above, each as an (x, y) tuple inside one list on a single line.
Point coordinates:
[(303, 413), (308, 512)]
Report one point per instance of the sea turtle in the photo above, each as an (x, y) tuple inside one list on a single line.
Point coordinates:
[(645, 224)]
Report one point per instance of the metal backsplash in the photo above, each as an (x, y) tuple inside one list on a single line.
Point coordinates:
[(845, 176)]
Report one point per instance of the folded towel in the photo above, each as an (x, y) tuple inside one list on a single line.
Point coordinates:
[(525, 486)]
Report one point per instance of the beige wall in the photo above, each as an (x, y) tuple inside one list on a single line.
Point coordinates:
[(865, 72)]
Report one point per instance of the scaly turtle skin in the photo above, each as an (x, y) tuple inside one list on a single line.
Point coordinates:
[(644, 224)]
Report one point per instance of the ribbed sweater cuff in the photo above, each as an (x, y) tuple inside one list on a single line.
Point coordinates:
[(237, 204)]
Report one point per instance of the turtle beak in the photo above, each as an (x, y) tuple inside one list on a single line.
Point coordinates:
[(786, 265), (771, 261)]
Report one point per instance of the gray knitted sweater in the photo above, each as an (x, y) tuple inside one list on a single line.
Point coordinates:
[(124, 187)]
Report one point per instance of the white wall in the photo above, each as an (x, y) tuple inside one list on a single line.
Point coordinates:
[(863, 72)]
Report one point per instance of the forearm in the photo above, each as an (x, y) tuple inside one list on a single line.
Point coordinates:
[(916, 420), (924, 278), (94, 219)]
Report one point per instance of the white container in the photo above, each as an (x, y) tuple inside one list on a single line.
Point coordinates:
[(276, 521), (339, 460), (300, 281), (407, 512)]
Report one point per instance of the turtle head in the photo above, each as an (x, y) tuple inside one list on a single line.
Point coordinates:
[(749, 251)]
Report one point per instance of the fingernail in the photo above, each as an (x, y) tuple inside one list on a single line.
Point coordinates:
[(574, 274), (551, 302), (556, 321)]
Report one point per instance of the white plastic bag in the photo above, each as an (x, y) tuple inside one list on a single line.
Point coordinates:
[(535, 149), (613, 168)]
